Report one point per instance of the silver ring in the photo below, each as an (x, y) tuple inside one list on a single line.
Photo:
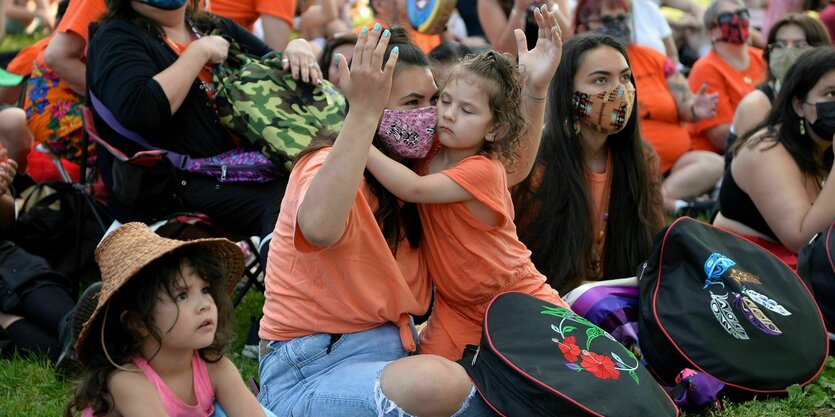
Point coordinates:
[(313, 65), (285, 60)]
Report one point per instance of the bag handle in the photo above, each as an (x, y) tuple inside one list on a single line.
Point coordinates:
[(178, 160)]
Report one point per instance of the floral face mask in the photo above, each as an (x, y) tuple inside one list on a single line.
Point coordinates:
[(409, 133)]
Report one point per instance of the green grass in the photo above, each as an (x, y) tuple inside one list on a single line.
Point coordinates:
[(30, 389), (13, 42)]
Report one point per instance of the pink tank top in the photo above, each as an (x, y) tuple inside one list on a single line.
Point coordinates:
[(174, 406)]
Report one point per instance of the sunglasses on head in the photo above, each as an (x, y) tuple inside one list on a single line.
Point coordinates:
[(607, 20), (727, 17)]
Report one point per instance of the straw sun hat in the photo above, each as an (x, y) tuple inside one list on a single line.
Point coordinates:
[(131, 247)]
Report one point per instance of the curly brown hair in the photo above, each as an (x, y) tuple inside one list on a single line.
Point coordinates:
[(131, 311), (503, 82)]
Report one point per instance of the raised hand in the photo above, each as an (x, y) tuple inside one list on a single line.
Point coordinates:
[(704, 104), (541, 62), (367, 84), (301, 61)]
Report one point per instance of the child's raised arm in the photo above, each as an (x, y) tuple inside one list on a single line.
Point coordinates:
[(539, 64), (411, 187), (231, 392)]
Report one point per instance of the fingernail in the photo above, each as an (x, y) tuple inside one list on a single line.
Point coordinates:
[(377, 27), (386, 33), (395, 50), (336, 58), (365, 29)]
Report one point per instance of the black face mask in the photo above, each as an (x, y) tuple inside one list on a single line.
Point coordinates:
[(824, 125), (618, 29)]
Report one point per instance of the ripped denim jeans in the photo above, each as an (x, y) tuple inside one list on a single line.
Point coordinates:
[(318, 375)]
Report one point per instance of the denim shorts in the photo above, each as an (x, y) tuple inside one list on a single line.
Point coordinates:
[(220, 413), (310, 376)]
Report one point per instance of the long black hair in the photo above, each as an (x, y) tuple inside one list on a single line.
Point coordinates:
[(130, 313), (553, 205), (397, 220), (782, 125)]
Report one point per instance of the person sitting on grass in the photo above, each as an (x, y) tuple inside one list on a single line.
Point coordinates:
[(484, 145), (776, 190), (155, 343), (35, 301)]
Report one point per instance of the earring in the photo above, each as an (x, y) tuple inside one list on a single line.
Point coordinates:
[(571, 125), (802, 126)]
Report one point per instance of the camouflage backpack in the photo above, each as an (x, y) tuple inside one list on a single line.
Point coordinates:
[(264, 106)]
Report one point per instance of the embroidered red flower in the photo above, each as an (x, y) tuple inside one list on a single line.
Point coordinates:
[(599, 365), (569, 349)]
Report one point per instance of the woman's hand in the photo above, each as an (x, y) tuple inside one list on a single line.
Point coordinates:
[(704, 105), (215, 47), (300, 60), (541, 62), (367, 84)]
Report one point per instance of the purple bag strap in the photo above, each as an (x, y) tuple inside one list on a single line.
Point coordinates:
[(180, 161)]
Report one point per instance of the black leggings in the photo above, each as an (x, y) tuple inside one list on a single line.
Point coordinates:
[(44, 306)]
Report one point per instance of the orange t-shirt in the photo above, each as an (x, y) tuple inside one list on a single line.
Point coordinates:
[(353, 285), (78, 16), (731, 84), (246, 12), (657, 108), (22, 62), (471, 262), (425, 42)]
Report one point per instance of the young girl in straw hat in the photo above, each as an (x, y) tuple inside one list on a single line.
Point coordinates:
[(154, 344)]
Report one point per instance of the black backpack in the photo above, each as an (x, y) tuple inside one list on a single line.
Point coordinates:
[(816, 265), (537, 359), (718, 303)]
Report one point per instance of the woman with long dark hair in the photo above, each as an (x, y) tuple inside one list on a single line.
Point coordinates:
[(589, 209), (775, 191)]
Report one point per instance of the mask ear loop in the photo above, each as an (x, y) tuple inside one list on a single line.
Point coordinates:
[(104, 347)]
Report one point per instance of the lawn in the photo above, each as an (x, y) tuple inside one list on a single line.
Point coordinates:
[(30, 389)]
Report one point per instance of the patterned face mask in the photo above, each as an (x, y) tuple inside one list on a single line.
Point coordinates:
[(164, 4), (606, 112), (409, 133), (734, 27)]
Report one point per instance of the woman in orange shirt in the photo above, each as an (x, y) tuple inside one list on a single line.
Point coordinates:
[(592, 206), (732, 69), (344, 272), (664, 102)]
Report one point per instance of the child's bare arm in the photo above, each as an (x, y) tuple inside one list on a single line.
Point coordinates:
[(134, 395), (231, 392), (539, 65), (411, 187)]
